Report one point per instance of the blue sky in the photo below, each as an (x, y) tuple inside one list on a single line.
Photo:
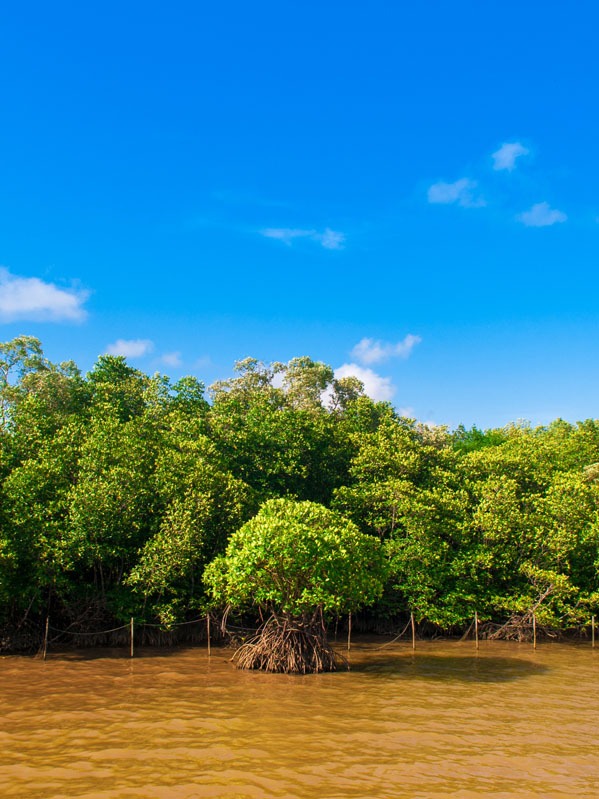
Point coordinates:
[(407, 191)]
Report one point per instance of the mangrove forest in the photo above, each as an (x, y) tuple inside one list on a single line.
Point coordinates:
[(285, 499)]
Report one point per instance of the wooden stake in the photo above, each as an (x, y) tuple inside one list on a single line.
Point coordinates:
[(131, 636), (208, 631), (46, 635), (413, 631), (534, 630), (476, 628), (349, 633), (593, 632)]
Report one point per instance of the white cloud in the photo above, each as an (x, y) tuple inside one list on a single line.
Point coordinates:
[(370, 351), (278, 380), (131, 348), (462, 192), (33, 299), (505, 157), (286, 234), (376, 386), (172, 359), (541, 215), (329, 239)]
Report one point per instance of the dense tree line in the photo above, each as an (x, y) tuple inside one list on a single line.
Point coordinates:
[(118, 489)]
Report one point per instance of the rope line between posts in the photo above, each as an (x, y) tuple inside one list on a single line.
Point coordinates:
[(99, 632), (169, 627), (397, 637), (166, 628)]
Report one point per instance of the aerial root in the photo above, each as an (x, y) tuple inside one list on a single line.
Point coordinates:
[(288, 646)]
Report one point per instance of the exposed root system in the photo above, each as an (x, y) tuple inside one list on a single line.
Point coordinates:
[(288, 646), (519, 627)]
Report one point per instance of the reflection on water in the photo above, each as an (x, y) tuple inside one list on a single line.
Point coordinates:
[(448, 667), (443, 722)]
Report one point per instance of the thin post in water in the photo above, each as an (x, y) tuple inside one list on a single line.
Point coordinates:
[(592, 632), (208, 631), (413, 630), (131, 631), (46, 637), (349, 633), (534, 630), (476, 628)]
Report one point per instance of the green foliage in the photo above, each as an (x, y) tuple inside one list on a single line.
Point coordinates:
[(116, 490), (202, 510), (294, 557), (474, 439), (117, 388), (35, 509), (18, 358), (113, 503), (280, 439), (492, 527)]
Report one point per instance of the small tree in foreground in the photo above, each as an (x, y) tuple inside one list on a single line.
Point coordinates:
[(298, 562)]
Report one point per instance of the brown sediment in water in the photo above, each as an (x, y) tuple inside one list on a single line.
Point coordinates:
[(443, 721)]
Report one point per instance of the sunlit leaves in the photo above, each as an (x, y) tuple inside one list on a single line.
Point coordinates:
[(117, 488), (294, 557)]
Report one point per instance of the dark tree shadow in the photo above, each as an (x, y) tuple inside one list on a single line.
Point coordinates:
[(450, 668), (123, 653)]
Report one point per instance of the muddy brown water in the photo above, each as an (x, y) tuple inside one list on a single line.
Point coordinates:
[(443, 722)]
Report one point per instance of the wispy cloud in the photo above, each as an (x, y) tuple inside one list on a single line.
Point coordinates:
[(30, 298), (131, 348), (286, 234), (505, 157), (541, 215), (461, 192), (377, 387), (203, 362), (329, 239), (369, 351), (172, 359)]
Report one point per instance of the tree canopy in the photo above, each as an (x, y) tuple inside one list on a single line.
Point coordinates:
[(117, 489), (294, 557), (297, 562)]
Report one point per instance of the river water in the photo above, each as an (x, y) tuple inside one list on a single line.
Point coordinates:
[(443, 722)]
